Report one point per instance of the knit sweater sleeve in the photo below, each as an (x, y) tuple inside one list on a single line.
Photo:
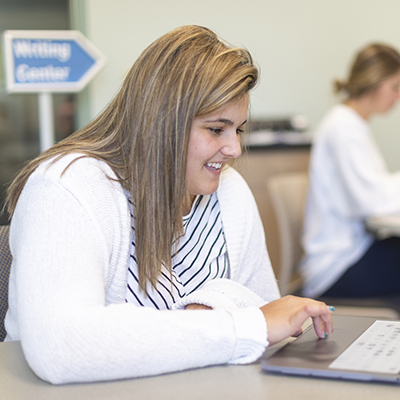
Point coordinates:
[(68, 247), (248, 257)]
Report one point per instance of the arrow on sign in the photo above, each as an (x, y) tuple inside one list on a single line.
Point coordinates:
[(49, 61)]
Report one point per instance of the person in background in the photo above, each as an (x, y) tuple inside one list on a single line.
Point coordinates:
[(349, 182), (136, 249)]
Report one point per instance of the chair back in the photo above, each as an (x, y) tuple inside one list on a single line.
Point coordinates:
[(5, 264), (287, 192)]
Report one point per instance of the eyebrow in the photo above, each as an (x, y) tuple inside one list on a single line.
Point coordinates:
[(224, 121)]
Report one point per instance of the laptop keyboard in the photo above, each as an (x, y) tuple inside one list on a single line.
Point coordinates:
[(376, 350)]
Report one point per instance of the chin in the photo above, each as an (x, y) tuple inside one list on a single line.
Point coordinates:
[(207, 191), (204, 188)]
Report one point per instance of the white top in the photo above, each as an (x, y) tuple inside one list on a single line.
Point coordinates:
[(200, 256), (70, 240), (349, 182)]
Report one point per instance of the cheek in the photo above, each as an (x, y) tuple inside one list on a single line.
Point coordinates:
[(193, 153), (194, 160), (200, 150), (385, 100)]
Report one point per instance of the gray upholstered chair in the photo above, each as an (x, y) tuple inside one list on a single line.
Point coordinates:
[(5, 264)]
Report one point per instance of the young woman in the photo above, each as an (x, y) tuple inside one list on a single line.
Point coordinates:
[(349, 182), (137, 250)]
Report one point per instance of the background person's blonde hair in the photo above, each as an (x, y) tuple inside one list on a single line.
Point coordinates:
[(143, 133), (372, 66)]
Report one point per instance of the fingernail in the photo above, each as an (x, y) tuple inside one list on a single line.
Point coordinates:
[(324, 335), (331, 308)]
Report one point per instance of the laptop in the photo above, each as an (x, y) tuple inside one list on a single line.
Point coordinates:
[(360, 348)]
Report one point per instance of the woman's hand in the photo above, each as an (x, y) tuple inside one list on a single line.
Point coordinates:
[(285, 317)]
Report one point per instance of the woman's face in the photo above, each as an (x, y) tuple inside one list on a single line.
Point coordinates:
[(386, 94), (214, 140)]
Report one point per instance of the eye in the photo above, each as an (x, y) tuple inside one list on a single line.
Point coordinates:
[(217, 131), (239, 131)]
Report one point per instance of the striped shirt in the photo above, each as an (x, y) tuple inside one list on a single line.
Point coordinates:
[(201, 256)]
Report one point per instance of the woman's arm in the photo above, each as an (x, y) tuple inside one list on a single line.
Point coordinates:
[(62, 262), (286, 316)]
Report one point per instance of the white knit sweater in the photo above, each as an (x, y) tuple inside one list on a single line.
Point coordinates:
[(70, 243)]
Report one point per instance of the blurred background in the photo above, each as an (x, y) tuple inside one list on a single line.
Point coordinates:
[(300, 45)]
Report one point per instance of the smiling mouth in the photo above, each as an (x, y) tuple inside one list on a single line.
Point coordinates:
[(214, 166)]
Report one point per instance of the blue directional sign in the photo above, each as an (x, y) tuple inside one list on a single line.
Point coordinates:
[(51, 61)]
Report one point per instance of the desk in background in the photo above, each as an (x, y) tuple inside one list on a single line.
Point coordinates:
[(18, 382)]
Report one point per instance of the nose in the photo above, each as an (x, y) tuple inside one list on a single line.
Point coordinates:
[(232, 147)]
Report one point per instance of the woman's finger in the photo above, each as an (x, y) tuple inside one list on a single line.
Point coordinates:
[(327, 318), (319, 327)]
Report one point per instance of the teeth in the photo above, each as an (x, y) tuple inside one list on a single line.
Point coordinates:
[(215, 165)]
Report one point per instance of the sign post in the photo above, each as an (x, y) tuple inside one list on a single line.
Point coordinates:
[(49, 61), (46, 120)]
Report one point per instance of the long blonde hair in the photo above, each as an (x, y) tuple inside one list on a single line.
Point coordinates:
[(372, 66), (143, 133)]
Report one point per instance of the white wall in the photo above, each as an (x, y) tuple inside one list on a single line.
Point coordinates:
[(300, 45)]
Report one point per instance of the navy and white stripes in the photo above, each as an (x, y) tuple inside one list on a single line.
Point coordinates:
[(201, 256)]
